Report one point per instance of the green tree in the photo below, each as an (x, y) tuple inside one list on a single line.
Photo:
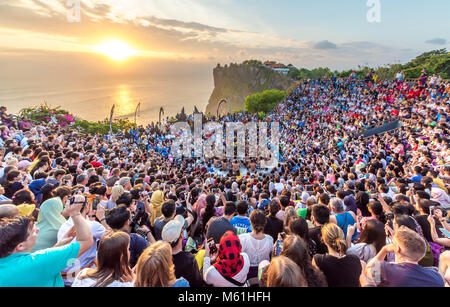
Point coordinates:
[(264, 101)]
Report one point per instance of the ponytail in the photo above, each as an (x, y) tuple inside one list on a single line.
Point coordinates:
[(341, 246), (334, 237)]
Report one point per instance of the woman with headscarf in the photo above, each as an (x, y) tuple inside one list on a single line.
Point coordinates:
[(230, 266), (439, 195), (155, 205), (49, 221), (200, 204)]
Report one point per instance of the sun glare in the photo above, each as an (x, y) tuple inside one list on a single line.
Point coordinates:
[(116, 50)]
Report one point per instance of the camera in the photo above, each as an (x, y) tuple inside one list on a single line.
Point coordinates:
[(72, 201)]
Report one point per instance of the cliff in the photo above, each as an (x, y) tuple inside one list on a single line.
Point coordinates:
[(237, 81)]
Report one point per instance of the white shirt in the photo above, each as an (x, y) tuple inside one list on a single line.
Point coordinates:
[(97, 231), (257, 250), (279, 187), (213, 277), (89, 282)]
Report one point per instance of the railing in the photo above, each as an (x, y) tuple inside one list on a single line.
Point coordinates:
[(381, 129), (414, 80)]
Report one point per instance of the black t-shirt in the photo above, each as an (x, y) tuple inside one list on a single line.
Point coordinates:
[(137, 245), (315, 234), (273, 227), (217, 229), (340, 272), (186, 266), (13, 188), (422, 220), (362, 200)]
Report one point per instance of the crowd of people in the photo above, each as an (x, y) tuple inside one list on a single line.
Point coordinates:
[(341, 209)]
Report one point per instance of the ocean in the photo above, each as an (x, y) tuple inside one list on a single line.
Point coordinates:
[(92, 99)]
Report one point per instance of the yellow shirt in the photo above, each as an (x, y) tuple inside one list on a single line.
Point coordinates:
[(200, 257), (440, 184)]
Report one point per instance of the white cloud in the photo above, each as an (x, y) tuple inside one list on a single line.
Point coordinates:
[(157, 35)]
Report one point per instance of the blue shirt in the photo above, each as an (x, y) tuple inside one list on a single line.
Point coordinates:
[(344, 220), (263, 204), (39, 269), (242, 224), (416, 178), (181, 283)]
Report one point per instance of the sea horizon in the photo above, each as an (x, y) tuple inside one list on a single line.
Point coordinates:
[(92, 100)]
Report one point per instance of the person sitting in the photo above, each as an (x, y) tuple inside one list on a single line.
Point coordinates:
[(221, 225), (341, 270), (113, 268), (371, 240), (274, 225), (21, 268), (118, 219), (296, 249), (50, 219), (5, 117), (257, 245), (241, 222), (283, 272), (409, 248), (156, 269), (341, 217), (185, 263), (24, 124), (168, 210), (88, 259), (228, 266), (320, 216), (444, 267)]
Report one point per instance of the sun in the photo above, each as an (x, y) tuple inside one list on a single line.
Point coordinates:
[(116, 49)]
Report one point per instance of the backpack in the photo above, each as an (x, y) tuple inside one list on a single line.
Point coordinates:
[(436, 250)]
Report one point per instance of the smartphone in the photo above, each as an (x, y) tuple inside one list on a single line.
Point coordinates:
[(445, 232), (95, 203), (212, 246), (432, 210)]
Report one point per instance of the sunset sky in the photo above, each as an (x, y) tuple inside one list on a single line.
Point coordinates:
[(304, 33), (168, 40)]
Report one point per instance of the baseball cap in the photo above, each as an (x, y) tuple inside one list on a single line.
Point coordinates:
[(172, 230)]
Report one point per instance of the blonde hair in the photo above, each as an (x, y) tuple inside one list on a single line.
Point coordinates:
[(334, 237), (291, 215), (413, 246), (116, 192), (155, 267), (283, 272), (11, 161)]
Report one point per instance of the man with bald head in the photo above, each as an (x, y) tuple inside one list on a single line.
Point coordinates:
[(9, 211)]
